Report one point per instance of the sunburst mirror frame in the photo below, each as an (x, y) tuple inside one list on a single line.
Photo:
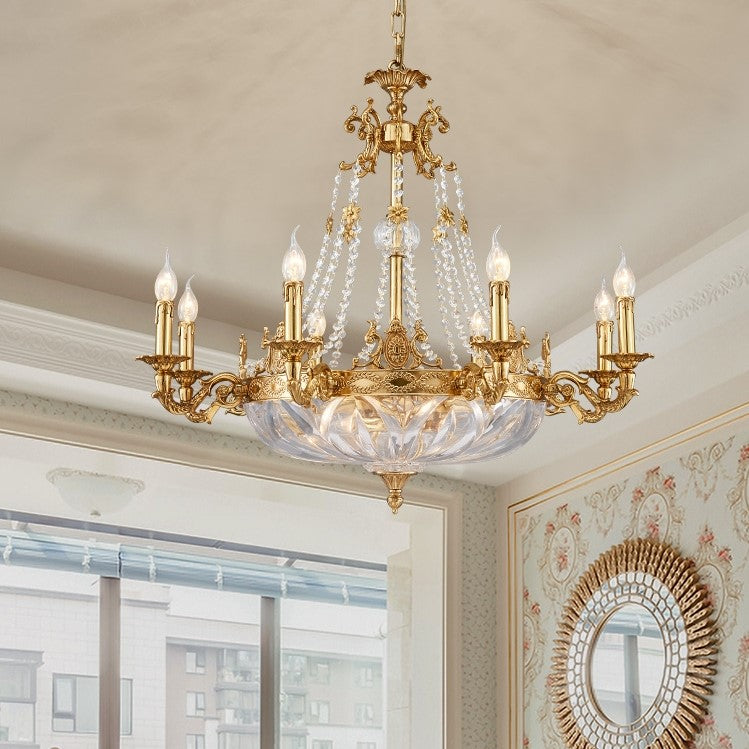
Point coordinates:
[(655, 576)]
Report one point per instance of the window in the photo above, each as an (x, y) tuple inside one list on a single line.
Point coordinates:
[(238, 741), (365, 674), (294, 668), (292, 710), (18, 695), (195, 704), (195, 661), (294, 742), (366, 745), (319, 670), (322, 744), (75, 704), (238, 707), (239, 665), (364, 715), (319, 712), (195, 741)]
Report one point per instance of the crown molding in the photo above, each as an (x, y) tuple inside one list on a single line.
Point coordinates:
[(68, 345)]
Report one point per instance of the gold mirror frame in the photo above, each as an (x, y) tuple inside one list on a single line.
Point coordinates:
[(655, 576)]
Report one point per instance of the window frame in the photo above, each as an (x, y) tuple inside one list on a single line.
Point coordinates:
[(197, 695), (73, 715)]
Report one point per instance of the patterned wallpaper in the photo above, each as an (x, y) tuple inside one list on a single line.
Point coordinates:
[(696, 497)]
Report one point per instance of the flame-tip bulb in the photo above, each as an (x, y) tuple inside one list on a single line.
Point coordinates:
[(165, 286), (294, 264), (603, 304), (624, 279), (498, 262), (187, 309)]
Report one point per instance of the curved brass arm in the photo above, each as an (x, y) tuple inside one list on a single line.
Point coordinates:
[(221, 391), (564, 390)]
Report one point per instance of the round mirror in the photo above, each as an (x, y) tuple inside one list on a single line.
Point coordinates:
[(628, 663)]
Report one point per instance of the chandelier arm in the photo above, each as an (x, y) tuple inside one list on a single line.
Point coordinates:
[(216, 392), (564, 390)]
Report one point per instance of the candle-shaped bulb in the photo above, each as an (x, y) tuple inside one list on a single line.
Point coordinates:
[(316, 324), (165, 287), (294, 264), (498, 262), (478, 324), (187, 309), (603, 305), (624, 279)]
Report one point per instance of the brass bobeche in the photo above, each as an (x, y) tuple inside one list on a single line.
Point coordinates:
[(292, 368)]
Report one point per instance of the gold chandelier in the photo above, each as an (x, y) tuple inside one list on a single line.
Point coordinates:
[(398, 408)]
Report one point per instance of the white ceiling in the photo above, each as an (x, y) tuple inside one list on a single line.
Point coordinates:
[(214, 127)]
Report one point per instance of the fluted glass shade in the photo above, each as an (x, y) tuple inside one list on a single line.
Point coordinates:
[(396, 432)]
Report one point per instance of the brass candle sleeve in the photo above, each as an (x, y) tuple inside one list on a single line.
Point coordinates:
[(292, 291), (604, 336), (500, 310), (625, 315)]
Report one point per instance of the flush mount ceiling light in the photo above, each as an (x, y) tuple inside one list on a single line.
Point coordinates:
[(398, 408), (96, 494)]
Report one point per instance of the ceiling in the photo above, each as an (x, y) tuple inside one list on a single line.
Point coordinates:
[(213, 127)]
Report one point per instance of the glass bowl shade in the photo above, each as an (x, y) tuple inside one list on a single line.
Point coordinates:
[(396, 432)]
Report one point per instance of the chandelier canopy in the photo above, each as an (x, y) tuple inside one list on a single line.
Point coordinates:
[(399, 408)]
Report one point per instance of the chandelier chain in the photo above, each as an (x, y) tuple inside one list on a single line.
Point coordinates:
[(398, 30)]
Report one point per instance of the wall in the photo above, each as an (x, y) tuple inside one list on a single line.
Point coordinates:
[(694, 495), (470, 535)]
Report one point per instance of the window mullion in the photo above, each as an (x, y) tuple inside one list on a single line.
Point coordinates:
[(270, 672), (109, 663)]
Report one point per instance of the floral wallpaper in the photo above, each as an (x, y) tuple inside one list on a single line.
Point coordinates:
[(695, 497)]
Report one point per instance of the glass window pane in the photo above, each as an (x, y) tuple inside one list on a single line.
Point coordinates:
[(15, 681), (332, 659), (63, 695), (54, 614), (17, 722), (194, 660), (126, 707), (86, 704)]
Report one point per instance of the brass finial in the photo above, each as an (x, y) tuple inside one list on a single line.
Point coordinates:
[(395, 483)]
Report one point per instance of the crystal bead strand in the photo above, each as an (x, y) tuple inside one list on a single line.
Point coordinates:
[(319, 265), (439, 272), (454, 285), (335, 254), (468, 257), (413, 312), (339, 328), (381, 297)]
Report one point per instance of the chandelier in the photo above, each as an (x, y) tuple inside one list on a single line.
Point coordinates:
[(398, 408)]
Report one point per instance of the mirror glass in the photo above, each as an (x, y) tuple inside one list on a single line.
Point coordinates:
[(628, 664)]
